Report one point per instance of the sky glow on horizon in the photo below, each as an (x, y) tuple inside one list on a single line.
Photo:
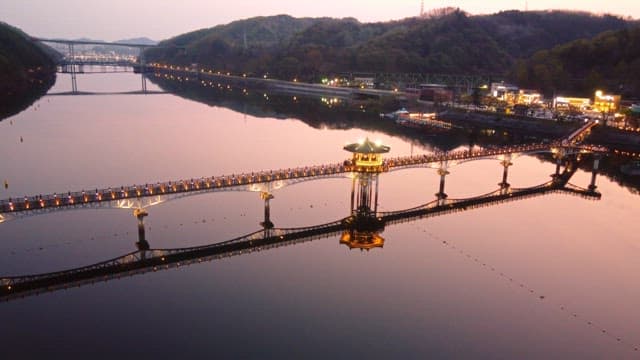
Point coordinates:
[(158, 20)]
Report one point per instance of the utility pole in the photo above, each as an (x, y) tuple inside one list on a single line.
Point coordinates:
[(244, 38)]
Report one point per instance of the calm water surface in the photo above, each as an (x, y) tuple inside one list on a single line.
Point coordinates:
[(554, 276)]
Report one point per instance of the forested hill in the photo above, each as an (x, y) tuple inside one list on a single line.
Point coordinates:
[(610, 61), (26, 69), (18, 54), (211, 46), (521, 34), (449, 42)]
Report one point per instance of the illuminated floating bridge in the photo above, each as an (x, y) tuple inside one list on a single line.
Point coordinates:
[(366, 159)]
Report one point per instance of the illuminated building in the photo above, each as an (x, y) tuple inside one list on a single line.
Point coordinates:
[(562, 102), (364, 82), (606, 103), (529, 97), (504, 92)]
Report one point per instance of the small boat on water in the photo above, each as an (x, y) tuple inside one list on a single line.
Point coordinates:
[(396, 114), (416, 120), (422, 120), (632, 168)]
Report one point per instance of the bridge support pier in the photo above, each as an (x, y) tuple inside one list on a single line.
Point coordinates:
[(596, 164), (558, 166), (142, 243), (364, 194), (504, 185), (143, 68), (441, 195), (266, 196), (72, 66), (559, 155)]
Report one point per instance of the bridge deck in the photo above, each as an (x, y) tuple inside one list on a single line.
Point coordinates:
[(89, 42), (579, 133), (171, 187)]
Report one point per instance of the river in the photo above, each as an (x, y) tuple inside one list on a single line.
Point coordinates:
[(552, 276)]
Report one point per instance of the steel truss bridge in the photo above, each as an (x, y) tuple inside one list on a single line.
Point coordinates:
[(89, 42), (152, 260), (73, 64), (107, 66)]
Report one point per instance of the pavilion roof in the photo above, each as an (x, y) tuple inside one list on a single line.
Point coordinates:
[(367, 147)]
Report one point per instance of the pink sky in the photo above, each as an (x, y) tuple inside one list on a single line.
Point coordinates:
[(160, 19)]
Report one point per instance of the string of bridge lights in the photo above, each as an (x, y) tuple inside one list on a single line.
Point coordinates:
[(583, 320)]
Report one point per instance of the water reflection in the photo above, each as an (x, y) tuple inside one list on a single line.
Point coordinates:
[(19, 100), (425, 296), (360, 230), (353, 114)]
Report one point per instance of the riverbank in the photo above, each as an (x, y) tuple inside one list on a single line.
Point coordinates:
[(548, 128), (610, 137), (471, 120), (281, 86)]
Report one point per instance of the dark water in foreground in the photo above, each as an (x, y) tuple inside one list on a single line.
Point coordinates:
[(547, 277)]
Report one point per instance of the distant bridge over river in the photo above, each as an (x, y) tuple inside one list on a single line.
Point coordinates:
[(73, 63)]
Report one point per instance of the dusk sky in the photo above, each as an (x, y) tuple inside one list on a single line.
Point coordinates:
[(159, 19)]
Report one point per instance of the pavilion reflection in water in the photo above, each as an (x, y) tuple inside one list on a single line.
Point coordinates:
[(363, 224)]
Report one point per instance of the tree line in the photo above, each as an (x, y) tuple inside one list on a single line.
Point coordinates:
[(450, 41)]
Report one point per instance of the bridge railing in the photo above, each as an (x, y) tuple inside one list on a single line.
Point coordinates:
[(171, 187), (579, 132), (464, 155)]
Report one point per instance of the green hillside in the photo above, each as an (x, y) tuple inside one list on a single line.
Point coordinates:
[(610, 61), (451, 42), (224, 45), (521, 34)]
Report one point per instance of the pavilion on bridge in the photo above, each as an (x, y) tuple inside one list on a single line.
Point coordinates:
[(367, 156)]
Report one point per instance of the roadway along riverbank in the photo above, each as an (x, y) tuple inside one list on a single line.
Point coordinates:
[(606, 136), (282, 86)]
